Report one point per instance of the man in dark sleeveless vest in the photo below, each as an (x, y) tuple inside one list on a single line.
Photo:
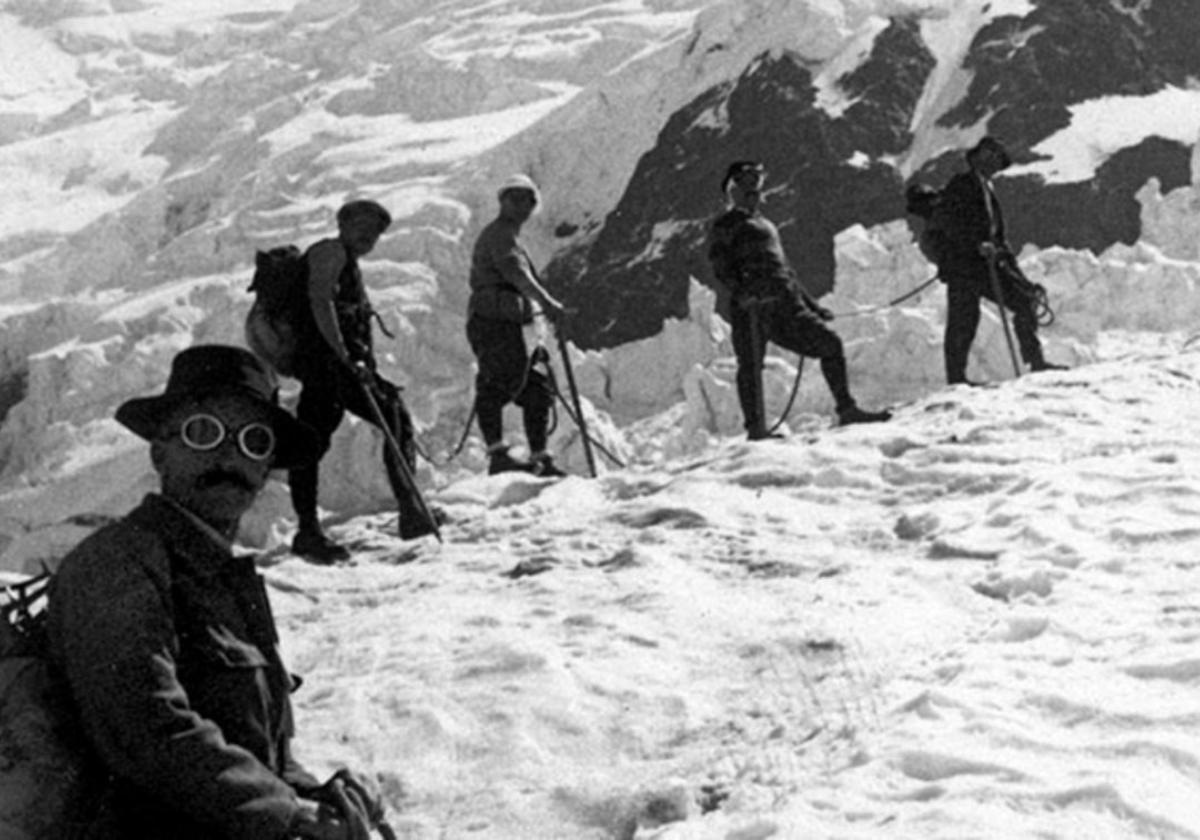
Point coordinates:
[(769, 304), (972, 233), (335, 360)]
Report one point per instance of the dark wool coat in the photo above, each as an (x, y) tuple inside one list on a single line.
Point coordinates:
[(964, 223), (747, 258), (169, 649)]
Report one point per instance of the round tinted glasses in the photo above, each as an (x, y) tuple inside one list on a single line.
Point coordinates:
[(205, 432)]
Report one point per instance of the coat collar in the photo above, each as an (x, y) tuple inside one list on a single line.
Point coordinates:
[(202, 550)]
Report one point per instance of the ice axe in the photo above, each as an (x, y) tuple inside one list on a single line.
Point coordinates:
[(998, 291), (559, 333), (402, 467), (990, 253)]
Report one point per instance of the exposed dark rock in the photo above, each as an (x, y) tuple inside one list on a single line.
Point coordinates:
[(822, 171), (827, 171), (1097, 213)]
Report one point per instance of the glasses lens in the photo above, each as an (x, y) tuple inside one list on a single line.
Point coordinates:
[(202, 431), (257, 441)]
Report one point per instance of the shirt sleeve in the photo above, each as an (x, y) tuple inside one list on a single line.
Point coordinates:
[(513, 266), (117, 644)]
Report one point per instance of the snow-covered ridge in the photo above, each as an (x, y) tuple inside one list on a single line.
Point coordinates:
[(166, 145), (974, 621)]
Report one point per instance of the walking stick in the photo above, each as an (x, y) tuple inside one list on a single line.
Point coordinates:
[(402, 467), (994, 227), (999, 293), (579, 420)]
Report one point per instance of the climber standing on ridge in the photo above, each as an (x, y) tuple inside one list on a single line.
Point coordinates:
[(335, 363), (504, 289), (769, 303), (972, 247)]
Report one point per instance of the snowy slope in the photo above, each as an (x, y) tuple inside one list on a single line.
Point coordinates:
[(975, 621)]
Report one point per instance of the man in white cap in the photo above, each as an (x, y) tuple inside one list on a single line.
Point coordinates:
[(504, 289)]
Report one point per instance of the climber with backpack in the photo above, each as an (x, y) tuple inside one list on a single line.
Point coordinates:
[(920, 202), (965, 237), (314, 323)]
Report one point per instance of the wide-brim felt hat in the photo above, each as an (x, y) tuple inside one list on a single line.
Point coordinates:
[(218, 369), (990, 143)]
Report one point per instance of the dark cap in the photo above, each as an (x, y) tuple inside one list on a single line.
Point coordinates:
[(364, 207), (740, 167), (990, 143), (217, 369)]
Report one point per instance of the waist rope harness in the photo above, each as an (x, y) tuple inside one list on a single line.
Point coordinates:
[(1035, 293)]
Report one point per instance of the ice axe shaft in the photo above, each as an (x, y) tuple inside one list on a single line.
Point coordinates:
[(575, 403), (406, 476), (991, 255), (998, 291)]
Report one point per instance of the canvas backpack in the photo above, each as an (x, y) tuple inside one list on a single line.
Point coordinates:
[(921, 203), (48, 785), (280, 287)]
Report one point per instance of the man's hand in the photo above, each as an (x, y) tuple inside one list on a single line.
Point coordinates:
[(362, 787), (321, 821), (988, 249), (822, 312), (362, 372), (554, 311)]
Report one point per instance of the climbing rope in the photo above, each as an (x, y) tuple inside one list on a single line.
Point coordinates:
[(791, 400), (466, 432), (576, 420), (891, 303), (540, 355)]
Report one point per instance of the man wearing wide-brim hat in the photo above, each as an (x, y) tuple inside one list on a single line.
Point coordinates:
[(974, 243), (165, 637)]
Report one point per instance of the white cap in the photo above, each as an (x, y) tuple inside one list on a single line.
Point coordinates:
[(519, 182)]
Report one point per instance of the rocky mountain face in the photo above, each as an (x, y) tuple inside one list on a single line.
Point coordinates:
[(832, 164)]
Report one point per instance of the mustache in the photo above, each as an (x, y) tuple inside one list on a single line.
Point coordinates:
[(222, 476)]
